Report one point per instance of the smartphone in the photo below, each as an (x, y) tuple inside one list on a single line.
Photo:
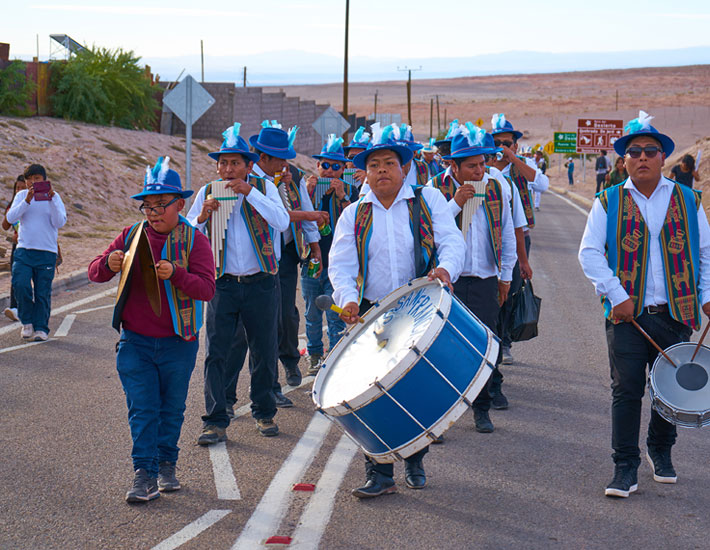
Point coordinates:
[(42, 189)]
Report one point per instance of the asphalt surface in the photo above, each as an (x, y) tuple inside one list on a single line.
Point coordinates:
[(537, 482)]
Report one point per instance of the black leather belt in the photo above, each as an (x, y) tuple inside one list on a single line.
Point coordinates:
[(246, 279), (652, 310)]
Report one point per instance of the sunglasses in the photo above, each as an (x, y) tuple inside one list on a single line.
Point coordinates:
[(650, 150), (334, 165), (498, 143)]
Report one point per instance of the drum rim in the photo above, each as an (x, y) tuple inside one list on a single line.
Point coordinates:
[(372, 392)]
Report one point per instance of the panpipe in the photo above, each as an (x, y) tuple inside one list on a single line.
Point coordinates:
[(219, 219), (349, 177), (321, 189), (472, 204)]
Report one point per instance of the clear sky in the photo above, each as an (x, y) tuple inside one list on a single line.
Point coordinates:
[(398, 28)]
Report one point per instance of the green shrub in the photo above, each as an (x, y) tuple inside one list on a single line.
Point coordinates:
[(103, 86), (15, 89)]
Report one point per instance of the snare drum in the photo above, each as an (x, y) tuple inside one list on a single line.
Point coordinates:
[(682, 395), (403, 377)]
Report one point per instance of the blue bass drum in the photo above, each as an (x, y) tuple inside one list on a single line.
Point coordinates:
[(401, 379)]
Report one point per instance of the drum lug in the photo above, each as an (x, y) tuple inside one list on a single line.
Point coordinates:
[(415, 349), (440, 313)]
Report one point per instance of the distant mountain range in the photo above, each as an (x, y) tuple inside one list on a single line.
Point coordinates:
[(297, 67)]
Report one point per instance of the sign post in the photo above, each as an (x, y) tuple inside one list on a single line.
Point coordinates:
[(188, 101)]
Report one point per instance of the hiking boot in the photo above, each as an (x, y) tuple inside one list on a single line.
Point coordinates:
[(377, 484), (660, 461), (498, 400), (507, 356), (40, 336), (11, 313), (316, 362), (414, 475), (166, 477), (145, 488), (624, 482), (267, 427), (282, 402), (293, 376), (483, 421), (212, 434), (27, 331)]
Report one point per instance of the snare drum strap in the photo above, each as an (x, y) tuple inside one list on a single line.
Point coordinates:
[(525, 196)]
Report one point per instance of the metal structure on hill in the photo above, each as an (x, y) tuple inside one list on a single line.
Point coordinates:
[(67, 46)]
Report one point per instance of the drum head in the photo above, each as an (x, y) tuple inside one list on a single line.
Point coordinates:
[(381, 348), (686, 388)]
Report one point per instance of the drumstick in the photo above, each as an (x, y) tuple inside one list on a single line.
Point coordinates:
[(324, 302), (653, 343), (700, 341)]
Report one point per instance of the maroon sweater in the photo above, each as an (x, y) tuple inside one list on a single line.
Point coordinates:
[(197, 281)]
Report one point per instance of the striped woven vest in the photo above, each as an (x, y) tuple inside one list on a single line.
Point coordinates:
[(525, 195)]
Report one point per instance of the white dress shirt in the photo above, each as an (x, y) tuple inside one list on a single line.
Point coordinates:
[(390, 254), (653, 209), (39, 221), (309, 228), (480, 258), (240, 258)]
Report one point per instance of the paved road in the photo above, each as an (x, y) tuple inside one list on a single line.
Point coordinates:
[(536, 483)]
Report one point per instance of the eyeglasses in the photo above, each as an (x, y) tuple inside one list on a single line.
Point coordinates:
[(327, 165), (650, 150), (498, 143), (157, 210)]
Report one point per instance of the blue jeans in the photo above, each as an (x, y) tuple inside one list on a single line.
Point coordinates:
[(155, 373), (32, 276), (311, 288)]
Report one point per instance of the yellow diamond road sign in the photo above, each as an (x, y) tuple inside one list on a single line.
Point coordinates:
[(550, 147), (479, 123)]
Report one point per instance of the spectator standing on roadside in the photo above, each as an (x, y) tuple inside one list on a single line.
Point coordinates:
[(617, 175), (570, 170), (542, 166), (11, 312), (602, 167), (35, 257), (685, 172)]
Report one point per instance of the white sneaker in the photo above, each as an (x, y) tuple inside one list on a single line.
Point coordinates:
[(40, 336), (11, 313), (27, 331)]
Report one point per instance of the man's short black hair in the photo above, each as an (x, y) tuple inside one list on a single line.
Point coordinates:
[(603, 151), (21, 177), (35, 170)]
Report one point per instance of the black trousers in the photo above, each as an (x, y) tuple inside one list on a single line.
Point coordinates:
[(481, 297), (234, 363), (256, 304), (629, 356), (288, 312), (371, 465)]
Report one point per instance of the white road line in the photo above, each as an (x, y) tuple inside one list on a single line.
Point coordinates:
[(22, 346), (191, 530), (246, 409), (63, 329), (224, 479), (317, 514), (274, 504), (94, 309), (572, 204), (67, 307)]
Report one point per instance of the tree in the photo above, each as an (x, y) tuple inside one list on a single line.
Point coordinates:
[(104, 86), (15, 89)]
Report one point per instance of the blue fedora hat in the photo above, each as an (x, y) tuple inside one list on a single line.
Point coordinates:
[(332, 150), (274, 141), (161, 180), (641, 126), (499, 125), (449, 135), (406, 138), (386, 138), (470, 141), (234, 143), (361, 140)]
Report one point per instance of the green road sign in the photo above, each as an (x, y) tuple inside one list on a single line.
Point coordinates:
[(565, 142)]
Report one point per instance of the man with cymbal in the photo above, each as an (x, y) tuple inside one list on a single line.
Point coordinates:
[(373, 253), (246, 286), (646, 249)]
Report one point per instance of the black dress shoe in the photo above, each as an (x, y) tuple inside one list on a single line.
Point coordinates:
[(483, 421), (282, 402), (377, 484), (498, 400), (414, 475), (293, 375)]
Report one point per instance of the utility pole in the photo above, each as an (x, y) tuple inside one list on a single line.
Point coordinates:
[(438, 116), (345, 63), (202, 60), (409, 91), (245, 76), (431, 118), (376, 104)]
